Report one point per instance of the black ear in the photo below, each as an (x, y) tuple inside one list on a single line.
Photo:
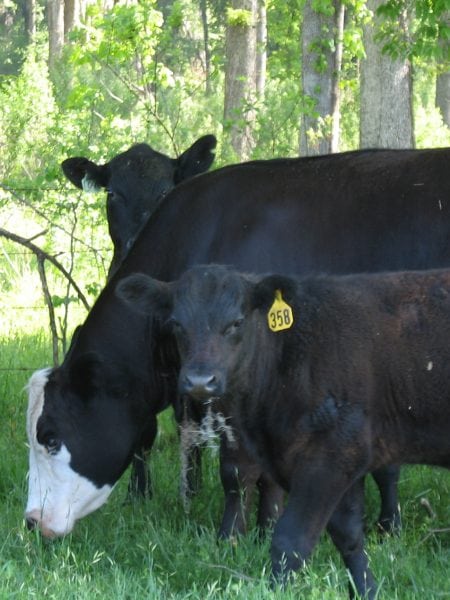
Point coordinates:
[(144, 294), (85, 174), (263, 293), (196, 159), (87, 374)]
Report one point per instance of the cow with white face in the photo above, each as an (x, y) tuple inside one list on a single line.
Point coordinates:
[(81, 440)]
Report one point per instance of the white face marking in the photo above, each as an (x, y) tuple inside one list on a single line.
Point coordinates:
[(89, 185), (57, 495)]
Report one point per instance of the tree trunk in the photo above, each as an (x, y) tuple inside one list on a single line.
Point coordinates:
[(335, 91), (443, 82), (205, 27), (443, 96), (29, 11), (261, 48), (72, 13), (55, 16), (240, 79), (319, 87), (386, 94)]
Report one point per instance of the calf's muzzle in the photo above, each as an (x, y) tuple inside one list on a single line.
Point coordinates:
[(200, 385)]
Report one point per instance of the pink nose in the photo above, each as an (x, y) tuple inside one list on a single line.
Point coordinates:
[(33, 520)]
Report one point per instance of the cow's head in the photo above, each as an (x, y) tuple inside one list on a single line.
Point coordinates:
[(219, 319), (80, 429), (136, 181)]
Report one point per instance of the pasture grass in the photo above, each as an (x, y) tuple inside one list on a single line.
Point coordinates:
[(153, 549)]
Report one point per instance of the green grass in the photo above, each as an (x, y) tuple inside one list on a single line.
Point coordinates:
[(154, 550)]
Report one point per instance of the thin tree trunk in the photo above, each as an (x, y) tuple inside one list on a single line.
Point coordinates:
[(443, 96), (317, 81), (443, 81), (240, 80), (335, 92), (207, 51), (72, 13), (29, 9), (261, 48), (386, 94), (55, 16)]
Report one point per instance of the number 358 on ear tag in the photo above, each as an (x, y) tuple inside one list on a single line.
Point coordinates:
[(280, 314)]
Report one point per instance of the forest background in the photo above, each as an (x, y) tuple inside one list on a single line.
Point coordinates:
[(269, 78)]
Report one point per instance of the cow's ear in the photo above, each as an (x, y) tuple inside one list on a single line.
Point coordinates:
[(85, 174), (87, 374), (196, 159), (144, 294), (264, 292)]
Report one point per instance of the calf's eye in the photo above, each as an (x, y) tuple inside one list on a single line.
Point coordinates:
[(233, 327)]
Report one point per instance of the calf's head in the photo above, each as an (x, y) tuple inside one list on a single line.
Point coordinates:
[(80, 433), (219, 319)]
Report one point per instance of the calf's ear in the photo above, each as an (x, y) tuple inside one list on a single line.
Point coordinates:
[(144, 294), (263, 293), (85, 174), (196, 159)]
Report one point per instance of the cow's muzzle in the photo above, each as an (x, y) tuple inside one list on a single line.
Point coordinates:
[(200, 386), (34, 522)]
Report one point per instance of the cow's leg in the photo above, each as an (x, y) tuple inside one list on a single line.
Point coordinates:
[(271, 502), (317, 488), (315, 492), (386, 479), (239, 474), (346, 529), (140, 481)]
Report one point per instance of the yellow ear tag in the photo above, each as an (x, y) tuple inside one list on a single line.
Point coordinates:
[(280, 315)]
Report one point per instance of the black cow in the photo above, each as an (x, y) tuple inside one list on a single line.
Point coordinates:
[(136, 181), (327, 378), (356, 211)]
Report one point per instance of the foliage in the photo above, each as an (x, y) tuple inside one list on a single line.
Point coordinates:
[(136, 72), (238, 17), (427, 25)]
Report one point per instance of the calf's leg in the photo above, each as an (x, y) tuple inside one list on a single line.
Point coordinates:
[(238, 474), (346, 530), (320, 495), (270, 501), (386, 479), (140, 481)]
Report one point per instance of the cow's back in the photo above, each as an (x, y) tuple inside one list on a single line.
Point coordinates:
[(358, 211)]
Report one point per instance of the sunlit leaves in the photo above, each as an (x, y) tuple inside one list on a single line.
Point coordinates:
[(428, 24)]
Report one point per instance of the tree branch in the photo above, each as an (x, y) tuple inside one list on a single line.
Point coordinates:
[(42, 255), (51, 311)]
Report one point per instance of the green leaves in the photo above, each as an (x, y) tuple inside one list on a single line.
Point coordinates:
[(238, 17), (428, 29)]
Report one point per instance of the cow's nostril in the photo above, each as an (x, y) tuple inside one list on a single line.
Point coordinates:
[(31, 523), (199, 385), (210, 383)]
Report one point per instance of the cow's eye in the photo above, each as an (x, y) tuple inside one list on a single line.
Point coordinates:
[(52, 445), (233, 327)]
